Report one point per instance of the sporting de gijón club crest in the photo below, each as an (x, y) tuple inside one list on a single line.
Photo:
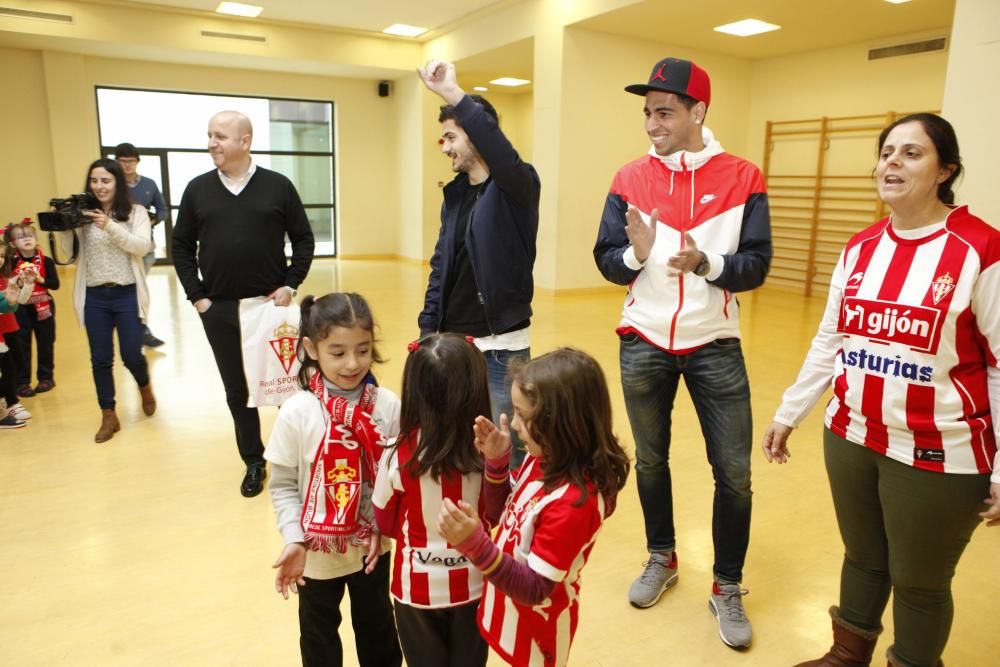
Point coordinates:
[(343, 486), (286, 337), (941, 287)]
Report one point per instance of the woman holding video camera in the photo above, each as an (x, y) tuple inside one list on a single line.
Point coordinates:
[(110, 291)]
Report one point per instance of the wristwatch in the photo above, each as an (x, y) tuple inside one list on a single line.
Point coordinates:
[(703, 266), (291, 290)]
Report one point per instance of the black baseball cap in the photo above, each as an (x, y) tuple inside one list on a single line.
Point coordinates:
[(674, 75)]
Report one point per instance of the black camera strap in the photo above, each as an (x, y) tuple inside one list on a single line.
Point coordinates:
[(54, 243)]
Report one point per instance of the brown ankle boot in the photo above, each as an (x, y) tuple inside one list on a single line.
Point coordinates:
[(148, 400), (894, 661), (852, 646), (109, 425)]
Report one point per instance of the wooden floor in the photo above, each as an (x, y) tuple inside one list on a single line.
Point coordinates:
[(141, 551)]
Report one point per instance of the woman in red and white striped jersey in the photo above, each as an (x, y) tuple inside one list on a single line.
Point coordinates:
[(909, 341)]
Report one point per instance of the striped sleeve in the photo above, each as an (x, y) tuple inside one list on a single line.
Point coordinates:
[(818, 369), (562, 533), (986, 308), (385, 497)]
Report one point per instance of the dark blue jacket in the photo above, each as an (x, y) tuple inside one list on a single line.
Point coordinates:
[(502, 228)]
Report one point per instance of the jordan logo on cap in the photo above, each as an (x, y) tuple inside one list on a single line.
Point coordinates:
[(659, 73)]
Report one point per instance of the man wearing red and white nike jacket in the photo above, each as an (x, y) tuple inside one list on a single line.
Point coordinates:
[(685, 227)]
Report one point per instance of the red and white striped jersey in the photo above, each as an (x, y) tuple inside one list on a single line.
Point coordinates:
[(546, 530), (427, 571), (911, 337)]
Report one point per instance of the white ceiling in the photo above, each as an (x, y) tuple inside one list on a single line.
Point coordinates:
[(806, 25), (373, 15)]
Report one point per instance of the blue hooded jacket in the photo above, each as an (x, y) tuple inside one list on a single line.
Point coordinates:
[(502, 229)]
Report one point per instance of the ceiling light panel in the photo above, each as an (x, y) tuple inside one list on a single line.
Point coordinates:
[(239, 9), (403, 30), (746, 27), (509, 81)]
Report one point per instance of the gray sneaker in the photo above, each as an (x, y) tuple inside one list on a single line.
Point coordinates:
[(659, 575), (726, 604)]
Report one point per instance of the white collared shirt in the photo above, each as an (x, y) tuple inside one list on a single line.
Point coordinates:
[(236, 185)]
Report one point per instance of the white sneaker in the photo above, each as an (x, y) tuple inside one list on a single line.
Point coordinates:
[(18, 411), (10, 422)]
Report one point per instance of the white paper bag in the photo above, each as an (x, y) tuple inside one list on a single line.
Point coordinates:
[(270, 336)]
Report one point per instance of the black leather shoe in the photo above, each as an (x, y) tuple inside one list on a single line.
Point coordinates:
[(149, 340), (253, 481)]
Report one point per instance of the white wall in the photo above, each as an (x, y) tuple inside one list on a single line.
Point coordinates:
[(971, 100)]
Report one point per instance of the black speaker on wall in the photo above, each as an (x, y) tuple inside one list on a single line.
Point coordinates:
[(383, 89)]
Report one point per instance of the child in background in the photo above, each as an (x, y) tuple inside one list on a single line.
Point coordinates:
[(436, 588), (38, 315), (324, 451), (566, 487), (14, 290)]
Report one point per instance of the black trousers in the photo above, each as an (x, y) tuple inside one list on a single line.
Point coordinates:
[(222, 327), (10, 368), (441, 637), (45, 334), (371, 616)]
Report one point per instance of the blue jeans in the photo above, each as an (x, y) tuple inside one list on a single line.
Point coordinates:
[(107, 309), (716, 378), (498, 367)]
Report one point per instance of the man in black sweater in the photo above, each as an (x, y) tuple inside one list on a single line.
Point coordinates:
[(231, 227)]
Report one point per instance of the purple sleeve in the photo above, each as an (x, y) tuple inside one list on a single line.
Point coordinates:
[(520, 582), (496, 488), (517, 580)]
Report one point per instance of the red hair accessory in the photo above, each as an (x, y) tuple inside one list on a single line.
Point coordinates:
[(470, 340), (413, 346)]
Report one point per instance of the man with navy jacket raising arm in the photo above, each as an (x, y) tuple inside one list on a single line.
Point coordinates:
[(481, 283)]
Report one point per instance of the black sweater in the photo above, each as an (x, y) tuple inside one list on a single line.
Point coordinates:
[(237, 242)]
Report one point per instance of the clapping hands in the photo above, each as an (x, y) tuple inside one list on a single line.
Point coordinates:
[(491, 441)]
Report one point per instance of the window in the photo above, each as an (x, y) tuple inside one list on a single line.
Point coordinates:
[(292, 137)]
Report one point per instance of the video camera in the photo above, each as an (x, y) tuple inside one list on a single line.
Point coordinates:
[(68, 213)]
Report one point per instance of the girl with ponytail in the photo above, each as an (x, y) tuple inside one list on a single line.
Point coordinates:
[(324, 451)]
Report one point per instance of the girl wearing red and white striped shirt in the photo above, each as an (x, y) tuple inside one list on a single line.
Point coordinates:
[(910, 340), (562, 493), (433, 461)]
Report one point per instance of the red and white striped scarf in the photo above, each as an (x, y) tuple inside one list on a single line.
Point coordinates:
[(333, 514)]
